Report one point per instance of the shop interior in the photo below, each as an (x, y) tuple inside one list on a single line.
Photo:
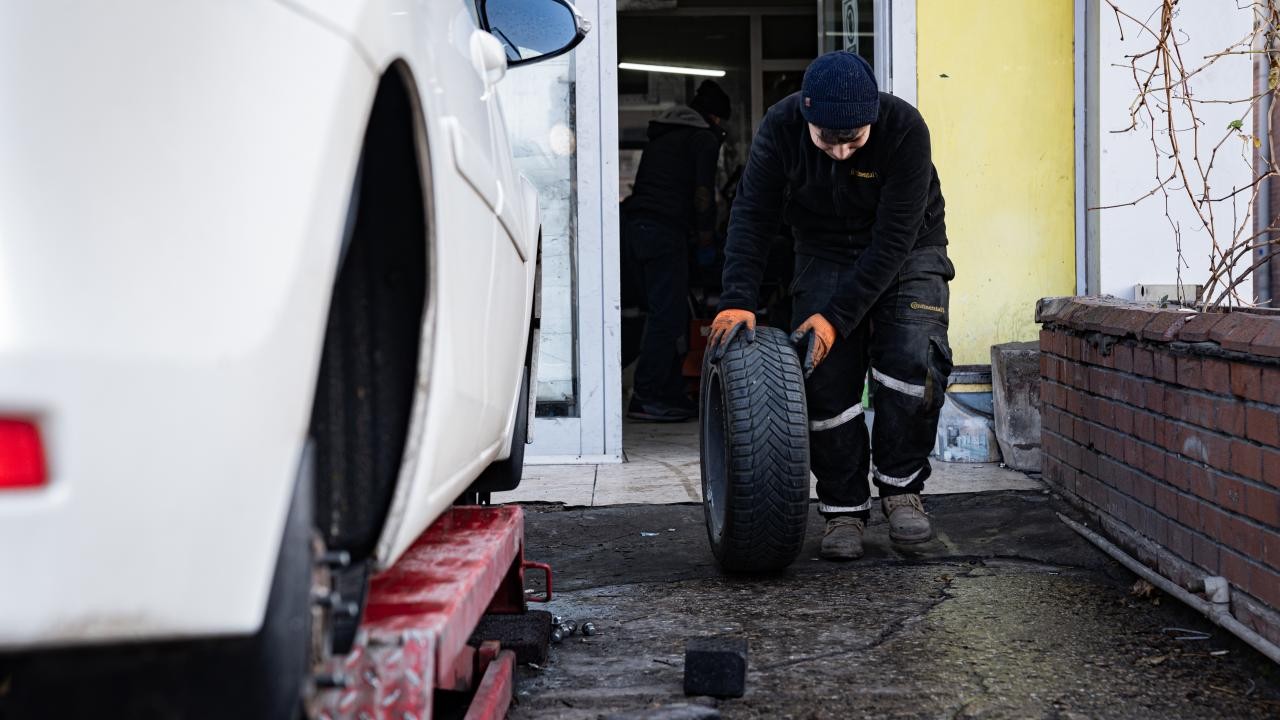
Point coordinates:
[(756, 51)]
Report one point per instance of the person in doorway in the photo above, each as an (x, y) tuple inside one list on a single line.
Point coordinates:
[(849, 168), (672, 202)]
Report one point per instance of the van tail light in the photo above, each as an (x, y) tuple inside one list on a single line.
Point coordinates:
[(21, 455)]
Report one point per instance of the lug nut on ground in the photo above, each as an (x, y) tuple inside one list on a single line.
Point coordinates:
[(588, 629)]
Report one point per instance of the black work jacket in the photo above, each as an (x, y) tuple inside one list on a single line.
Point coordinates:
[(675, 183), (869, 211)]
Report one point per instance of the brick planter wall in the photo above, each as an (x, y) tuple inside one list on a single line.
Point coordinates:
[(1165, 427)]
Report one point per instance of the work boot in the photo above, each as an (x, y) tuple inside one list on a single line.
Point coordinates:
[(907, 521), (842, 540), (659, 411)]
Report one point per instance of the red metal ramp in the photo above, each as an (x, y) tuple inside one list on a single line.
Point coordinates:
[(420, 614)]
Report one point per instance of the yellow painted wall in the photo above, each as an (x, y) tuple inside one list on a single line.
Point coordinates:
[(996, 87)]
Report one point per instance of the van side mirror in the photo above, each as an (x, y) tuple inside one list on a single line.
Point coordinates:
[(533, 30)]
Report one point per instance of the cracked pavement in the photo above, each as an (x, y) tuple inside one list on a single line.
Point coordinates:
[(1007, 614)]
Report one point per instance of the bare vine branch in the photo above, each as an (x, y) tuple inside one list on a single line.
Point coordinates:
[(1186, 152)]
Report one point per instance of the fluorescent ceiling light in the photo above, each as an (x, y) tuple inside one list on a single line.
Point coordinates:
[(670, 69)]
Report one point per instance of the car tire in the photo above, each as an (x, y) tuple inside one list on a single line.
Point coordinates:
[(505, 475), (754, 438)]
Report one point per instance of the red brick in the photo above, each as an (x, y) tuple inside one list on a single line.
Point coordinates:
[(1242, 536), (1262, 504), (1075, 403), (1175, 472), (1271, 385), (1046, 340), (1164, 325), (1122, 418), (1246, 381), (1197, 409), (1204, 552), (1123, 357), (1132, 453), (1201, 481), (1071, 347), (1246, 459), (1267, 342), (1234, 568), (1090, 316), (1144, 362), (1126, 322), (1216, 376), (1104, 412), (1048, 419), (1189, 373), (1115, 446), (1189, 511), (1271, 467), (1089, 462), (1079, 374), (1166, 367), (1271, 548), (1264, 584), (1197, 328), (1166, 501), (1140, 487), (1153, 462), (1211, 519), (1262, 425), (1230, 494), (1211, 449), (1179, 540), (1144, 426), (1237, 330), (1165, 428), (1155, 397), (1229, 416)]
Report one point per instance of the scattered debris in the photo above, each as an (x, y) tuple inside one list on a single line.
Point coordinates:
[(1185, 634), (1144, 590), (648, 534), (1154, 660), (557, 636), (588, 629)]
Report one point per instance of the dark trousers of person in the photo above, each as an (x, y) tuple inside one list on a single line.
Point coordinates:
[(655, 270), (903, 341)]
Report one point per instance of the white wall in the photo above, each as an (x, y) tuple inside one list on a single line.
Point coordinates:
[(1136, 244)]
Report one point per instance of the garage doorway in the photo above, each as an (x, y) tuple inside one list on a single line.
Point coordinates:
[(757, 52)]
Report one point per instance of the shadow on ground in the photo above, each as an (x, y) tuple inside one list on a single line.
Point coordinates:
[(1007, 614)]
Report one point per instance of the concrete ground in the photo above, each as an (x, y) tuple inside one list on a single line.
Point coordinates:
[(662, 467), (1006, 614)]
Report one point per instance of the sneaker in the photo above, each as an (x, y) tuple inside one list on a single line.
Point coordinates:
[(842, 539), (907, 521), (658, 411)]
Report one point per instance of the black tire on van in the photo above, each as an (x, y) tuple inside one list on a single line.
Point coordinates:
[(754, 436)]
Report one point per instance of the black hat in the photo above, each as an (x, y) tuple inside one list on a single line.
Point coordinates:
[(711, 100), (839, 92)]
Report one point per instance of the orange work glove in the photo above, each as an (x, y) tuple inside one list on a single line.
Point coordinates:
[(817, 336), (725, 327)]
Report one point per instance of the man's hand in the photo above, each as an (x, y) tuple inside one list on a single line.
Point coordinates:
[(817, 336), (725, 327)]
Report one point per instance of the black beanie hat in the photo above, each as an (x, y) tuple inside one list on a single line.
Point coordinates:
[(711, 100), (839, 92)]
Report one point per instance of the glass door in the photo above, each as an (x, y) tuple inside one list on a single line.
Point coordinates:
[(860, 26)]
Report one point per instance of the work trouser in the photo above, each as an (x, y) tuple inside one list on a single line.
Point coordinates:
[(655, 261), (903, 341)]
